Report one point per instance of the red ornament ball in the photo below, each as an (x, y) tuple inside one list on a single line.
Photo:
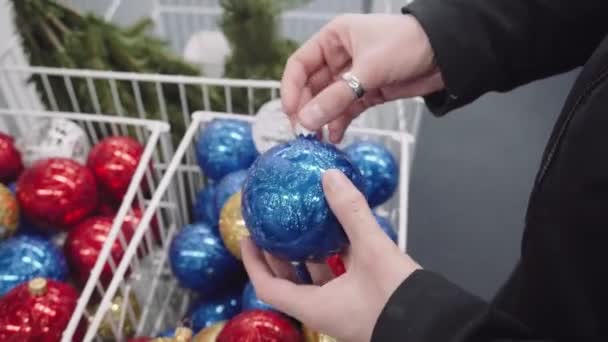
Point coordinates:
[(259, 326), (57, 193), (113, 162), (37, 311), (85, 241), (11, 164)]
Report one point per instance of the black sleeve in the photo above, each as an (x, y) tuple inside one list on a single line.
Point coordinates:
[(497, 45), (428, 308)]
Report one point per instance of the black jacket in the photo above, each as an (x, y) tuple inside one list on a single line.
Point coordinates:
[(559, 289)]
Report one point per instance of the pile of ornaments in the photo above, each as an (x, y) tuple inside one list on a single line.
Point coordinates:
[(276, 198), (57, 206)]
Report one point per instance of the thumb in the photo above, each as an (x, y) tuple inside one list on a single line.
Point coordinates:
[(351, 208), (334, 100)]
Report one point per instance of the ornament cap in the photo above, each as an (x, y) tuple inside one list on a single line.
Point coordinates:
[(37, 286)]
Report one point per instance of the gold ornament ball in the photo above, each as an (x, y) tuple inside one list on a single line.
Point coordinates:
[(9, 213), (232, 225), (119, 312), (313, 336), (210, 333), (182, 334)]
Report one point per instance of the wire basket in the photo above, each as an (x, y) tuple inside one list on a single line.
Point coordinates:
[(153, 135), (176, 21), (162, 301)]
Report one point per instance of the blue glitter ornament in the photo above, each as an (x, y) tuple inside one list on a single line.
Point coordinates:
[(387, 227), (283, 202), (23, 258), (215, 310), (227, 187), (251, 302), (379, 168), (205, 209), (225, 146), (200, 261)]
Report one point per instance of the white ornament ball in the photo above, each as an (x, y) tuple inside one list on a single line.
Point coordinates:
[(209, 49), (271, 127), (54, 138)]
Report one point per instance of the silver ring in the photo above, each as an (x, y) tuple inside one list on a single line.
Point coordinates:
[(354, 84)]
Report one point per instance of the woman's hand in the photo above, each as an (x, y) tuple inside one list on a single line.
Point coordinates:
[(389, 54), (348, 306)]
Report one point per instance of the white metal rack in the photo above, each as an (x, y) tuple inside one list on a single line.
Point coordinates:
[(166, 313)]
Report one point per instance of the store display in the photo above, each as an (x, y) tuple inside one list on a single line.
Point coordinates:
[(11, 164), (56, 193), (259, 325), (379, 168), (210, 311), (387, 227), (204, 207), (53, 138), (200, 261), (232, 225), (210, 333), (120, 314), (38, 311), (313, 336), (9, 212), (84, 244), (250, 301), (284, 205), (23, 258), (113, 161), (225, 146)]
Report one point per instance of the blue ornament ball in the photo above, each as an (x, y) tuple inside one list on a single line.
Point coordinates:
[(209, 312), (225, 146), (387, 227), (251, 302), (204, 208), (379, 168), (228, 186), (283, 202), (23, 258), (200, 261)]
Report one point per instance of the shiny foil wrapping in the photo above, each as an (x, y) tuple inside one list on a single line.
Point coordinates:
[(225, 146), (379, 168), (24, 257), (284, 206), (200, 261), (56, 193)]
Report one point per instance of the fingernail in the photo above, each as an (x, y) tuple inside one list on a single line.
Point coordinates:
[(335, 180), (312, 116)]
